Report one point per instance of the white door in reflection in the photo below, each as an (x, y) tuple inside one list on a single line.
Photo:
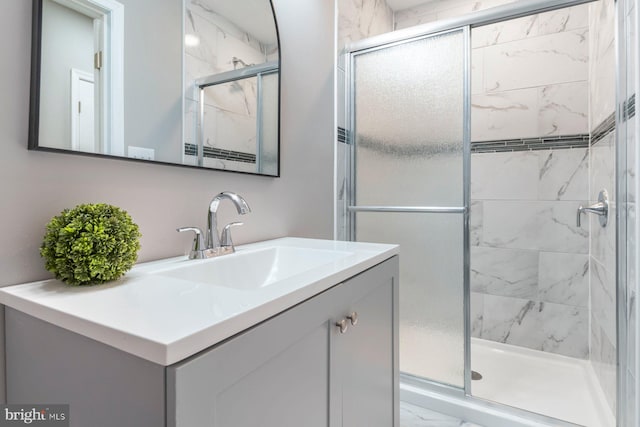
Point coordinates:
[(83, 133)]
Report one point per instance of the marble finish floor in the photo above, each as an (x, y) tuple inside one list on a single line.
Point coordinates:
[(415, 416)]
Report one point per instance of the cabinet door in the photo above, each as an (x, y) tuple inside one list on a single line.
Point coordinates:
[(274, 375), (365, 355), (297, 369)]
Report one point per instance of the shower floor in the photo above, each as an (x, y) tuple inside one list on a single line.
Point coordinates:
[(558, 386)]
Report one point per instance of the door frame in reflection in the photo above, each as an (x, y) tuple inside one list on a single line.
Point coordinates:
[(108, 23)]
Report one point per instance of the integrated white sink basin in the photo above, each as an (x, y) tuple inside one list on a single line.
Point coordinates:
[(255, 269), (165, 311)]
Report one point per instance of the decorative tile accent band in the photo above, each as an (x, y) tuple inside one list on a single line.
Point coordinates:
[(609, 124), (219, 153), (505, 145), (603, 129), (630, 107), (530, 144), (343, 135)]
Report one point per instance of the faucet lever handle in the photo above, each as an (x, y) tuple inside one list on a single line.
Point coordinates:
[(226, 233), (601, 208), (197, 249)]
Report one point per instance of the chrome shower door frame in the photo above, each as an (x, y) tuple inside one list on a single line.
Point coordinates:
[(371, 45), (441, 396)]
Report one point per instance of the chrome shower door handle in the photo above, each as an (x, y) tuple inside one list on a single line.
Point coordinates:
[(601, 209)]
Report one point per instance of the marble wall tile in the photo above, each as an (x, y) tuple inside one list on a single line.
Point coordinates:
[(194, 68), (441, 9), (565, 329), (525, 63), (238, 97), (477, 71), (229, 131), (512, 321), (206, 34), (546, 226), (506, 31), (210, 125), (548, 327), (476, 215), (603, 297), (235, 132), (602, 176), (602, 168), (563, 174), (200, 7), (602, 65), (505, 176), (477, 313), (470, 7), (564, 109), (505, 272), (409, 18), (565, 19), (504, 115), (229, 164), (564, 278), (603, 239), (230, 47), (552, 110), (359, 19)]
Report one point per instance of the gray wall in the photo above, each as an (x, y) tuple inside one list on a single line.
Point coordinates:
[(34, 186), (153, 77)]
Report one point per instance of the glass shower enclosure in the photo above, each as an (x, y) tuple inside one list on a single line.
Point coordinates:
[(407, 165), (409, 188)]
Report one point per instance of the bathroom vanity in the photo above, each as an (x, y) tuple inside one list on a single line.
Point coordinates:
[(305, 334)]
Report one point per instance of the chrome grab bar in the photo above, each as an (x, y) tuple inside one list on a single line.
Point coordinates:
[(601, 209)]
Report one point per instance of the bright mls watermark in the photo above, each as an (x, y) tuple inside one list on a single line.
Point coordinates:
[(34, 415)]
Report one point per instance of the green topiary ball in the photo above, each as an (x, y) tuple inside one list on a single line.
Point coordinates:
[(90, 244)]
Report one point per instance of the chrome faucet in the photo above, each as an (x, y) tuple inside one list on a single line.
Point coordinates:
[(213, 238), (216, 244)]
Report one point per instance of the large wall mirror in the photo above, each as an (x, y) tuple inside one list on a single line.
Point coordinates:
[(186, 82)]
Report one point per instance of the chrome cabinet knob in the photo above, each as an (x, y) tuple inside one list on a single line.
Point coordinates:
[(354, 318), (342, 325)]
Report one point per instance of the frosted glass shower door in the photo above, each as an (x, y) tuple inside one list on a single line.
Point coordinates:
[(408, 123)]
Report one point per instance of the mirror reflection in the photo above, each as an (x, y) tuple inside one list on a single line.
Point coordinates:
[(193, 82), (231, 68)]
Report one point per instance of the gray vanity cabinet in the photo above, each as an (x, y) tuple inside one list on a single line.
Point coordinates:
[(294, 370), (298, 369)]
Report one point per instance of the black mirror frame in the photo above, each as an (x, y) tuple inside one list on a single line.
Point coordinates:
[(34, 101)]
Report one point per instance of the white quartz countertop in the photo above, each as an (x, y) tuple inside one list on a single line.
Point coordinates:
[(166, 319)]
